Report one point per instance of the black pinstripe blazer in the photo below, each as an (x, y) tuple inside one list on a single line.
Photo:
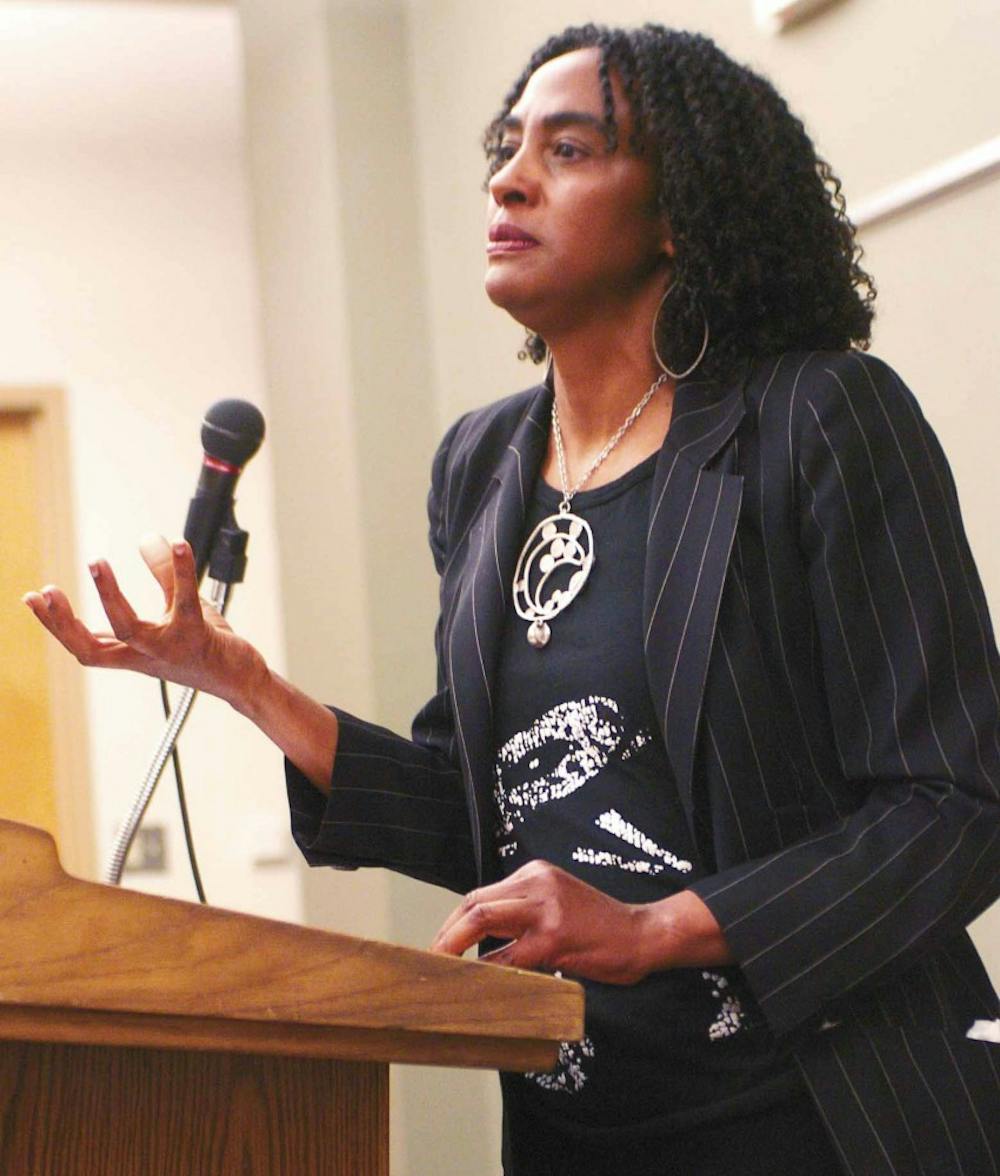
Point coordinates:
[(820, 655)]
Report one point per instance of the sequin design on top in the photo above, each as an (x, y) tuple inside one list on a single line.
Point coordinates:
[(731, 1016), (569, 744), (568, 1076), (614, 823)]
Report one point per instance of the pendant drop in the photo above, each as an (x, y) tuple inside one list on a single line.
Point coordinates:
[(539, 634)]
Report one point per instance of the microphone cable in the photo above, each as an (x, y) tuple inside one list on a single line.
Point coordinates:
[(175, 759)]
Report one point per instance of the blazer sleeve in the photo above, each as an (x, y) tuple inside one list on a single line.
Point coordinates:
[(395, 802), (908, 663)]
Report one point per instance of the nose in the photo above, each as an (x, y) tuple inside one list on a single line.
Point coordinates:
[(516, 182)]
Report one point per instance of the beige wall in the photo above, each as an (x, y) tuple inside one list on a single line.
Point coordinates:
[(885, 88), (364, 127), (127, 280)]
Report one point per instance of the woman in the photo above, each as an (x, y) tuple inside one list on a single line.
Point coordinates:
[(717, 721)]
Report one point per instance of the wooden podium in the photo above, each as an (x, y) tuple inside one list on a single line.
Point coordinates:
[(144, 1036)]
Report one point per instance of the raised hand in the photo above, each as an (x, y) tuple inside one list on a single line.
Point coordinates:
[(191, 644)]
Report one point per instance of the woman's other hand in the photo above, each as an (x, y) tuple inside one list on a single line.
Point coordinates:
[(191, 644), (556, 922)]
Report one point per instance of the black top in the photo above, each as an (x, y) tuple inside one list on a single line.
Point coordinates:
[(582, 780)]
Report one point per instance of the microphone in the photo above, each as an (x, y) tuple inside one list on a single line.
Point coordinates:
[(231, 434)]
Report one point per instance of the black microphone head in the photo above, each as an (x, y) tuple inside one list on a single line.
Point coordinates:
[(232, 431)]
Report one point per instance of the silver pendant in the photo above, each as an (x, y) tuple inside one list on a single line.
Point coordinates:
[(551, 571), (539, 634)]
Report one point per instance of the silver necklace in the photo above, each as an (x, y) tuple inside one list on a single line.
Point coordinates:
[(558, 555)]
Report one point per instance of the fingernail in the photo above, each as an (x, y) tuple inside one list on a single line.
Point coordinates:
[(47, 597), (95, 570), (180, 548)]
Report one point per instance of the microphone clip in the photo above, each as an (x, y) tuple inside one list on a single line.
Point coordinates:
[(227, 563)]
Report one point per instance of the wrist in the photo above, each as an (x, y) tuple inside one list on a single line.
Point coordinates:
[(252, 684), (679, 932)]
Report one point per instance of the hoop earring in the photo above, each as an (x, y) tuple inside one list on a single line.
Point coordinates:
[(704, 342)]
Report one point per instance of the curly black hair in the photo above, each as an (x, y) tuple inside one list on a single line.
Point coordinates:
[(765, 252)]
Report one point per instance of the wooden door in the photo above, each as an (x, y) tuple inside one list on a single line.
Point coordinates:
[(43, 742), (27, 791)]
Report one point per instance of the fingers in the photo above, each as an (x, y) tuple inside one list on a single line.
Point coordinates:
[(125, 625), (529, 950), (475, 921), (155, 550), (186, 602), (536, 883), (173, 647), (165, 561), (52, 609), (507, 888), (173, 567)]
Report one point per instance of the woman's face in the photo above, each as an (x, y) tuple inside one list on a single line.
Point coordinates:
[(574, 232)]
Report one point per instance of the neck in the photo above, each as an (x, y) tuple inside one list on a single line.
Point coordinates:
[(596, 393), (596, 389)]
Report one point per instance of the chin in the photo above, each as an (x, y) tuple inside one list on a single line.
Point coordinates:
[(510, 295)]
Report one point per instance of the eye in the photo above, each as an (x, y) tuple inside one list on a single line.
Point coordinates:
[(565, 149), (499, 157)]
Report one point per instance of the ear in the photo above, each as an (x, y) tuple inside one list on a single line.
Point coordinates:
[(667, 245)]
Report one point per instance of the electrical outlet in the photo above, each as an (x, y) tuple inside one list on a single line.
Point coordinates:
[(149, 851)]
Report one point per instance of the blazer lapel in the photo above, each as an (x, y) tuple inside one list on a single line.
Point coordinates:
[(475, 626), (693, 516)]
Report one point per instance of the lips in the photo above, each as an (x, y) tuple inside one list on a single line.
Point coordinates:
[(507, 238)]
